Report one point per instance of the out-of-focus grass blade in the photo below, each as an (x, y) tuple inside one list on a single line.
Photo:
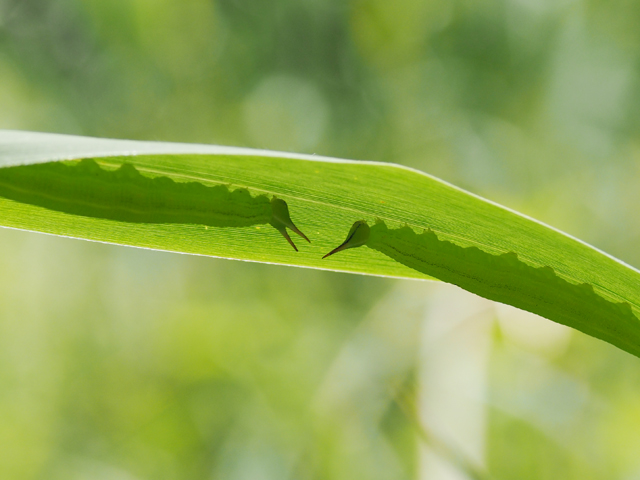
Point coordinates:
[(421, 227)]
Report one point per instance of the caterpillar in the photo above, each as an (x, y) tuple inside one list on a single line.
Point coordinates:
[(503, 278), (358, 235), (124, 194)]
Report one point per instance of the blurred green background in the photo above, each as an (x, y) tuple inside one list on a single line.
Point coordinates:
[(125, 364)]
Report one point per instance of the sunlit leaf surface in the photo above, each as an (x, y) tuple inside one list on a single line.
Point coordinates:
[(421, 227)]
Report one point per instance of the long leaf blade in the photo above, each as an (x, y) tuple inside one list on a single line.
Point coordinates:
[(421, 227)]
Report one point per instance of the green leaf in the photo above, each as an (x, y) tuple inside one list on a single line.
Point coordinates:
[(219, 201)]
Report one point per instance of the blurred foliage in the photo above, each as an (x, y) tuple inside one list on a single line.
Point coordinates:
[(124, 364)]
